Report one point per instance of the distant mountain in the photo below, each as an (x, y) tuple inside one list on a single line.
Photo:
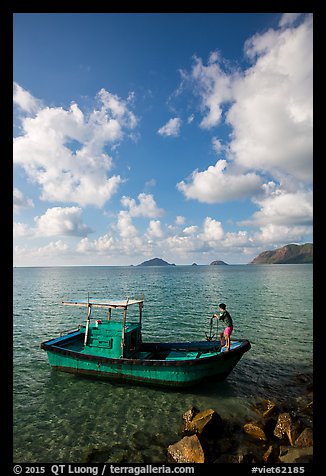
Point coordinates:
[(218, 262), (156, 262), (288, 254)]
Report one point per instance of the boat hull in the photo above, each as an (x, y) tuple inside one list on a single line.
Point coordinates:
[(170, 365)]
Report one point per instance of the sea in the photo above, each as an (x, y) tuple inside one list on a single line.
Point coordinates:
[(62, 418)]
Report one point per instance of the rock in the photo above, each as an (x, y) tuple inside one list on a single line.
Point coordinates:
[(305, 403), (308, 409), (305, 439), (270, 408), (206, 423), (266, 408), (283, 426), (292, 435), (209, 438), (289, 454), (189, 414), (288, 425), (270, 455), (255, 431), (187, 450)]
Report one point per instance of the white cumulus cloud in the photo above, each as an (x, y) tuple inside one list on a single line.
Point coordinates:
[(21, 230), (154, 229), (272, 110), (213, 86), (180, 220), (146, 207), (125, 226), (190, 230), (288, 18), (268, 105), (217, 185), (171, 128), (25, 100), (276, 235), (64, 150), (285, 208), (61, 221), (20, 201), (212, 230), (52, 251)]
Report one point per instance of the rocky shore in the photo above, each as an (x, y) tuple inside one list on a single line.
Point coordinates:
[(282, 432)]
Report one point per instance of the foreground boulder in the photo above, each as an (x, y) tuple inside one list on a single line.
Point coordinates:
[(305, 438), (206, 423), (187, 450), (289, 454), (266, 408), (255, 431), (190, 414), (283, 425), (287, 427)]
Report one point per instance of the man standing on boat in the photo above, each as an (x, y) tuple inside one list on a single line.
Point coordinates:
[(227, 320)]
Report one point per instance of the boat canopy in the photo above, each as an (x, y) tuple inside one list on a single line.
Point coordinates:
[(108, 304)]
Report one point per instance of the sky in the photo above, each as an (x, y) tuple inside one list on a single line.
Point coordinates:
[(182, 136)]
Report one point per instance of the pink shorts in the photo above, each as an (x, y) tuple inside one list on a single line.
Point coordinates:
[(228, 331)]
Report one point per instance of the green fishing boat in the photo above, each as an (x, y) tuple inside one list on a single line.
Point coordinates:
[(113, 349)]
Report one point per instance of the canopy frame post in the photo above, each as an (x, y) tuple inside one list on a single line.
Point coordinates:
[(140, 312), (89, 307), (123, 328)]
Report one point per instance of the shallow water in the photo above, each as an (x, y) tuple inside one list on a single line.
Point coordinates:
[(58, 416)]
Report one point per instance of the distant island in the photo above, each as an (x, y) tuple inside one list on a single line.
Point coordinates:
[(288, 254), (218, 262), (155, 262)]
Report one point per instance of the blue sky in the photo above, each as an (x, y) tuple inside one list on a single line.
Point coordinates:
[(181, 136)]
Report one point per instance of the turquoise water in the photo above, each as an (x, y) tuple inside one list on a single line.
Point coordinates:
[(58, 417)]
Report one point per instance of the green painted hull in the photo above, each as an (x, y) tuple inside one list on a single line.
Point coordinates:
[(170, 364)]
